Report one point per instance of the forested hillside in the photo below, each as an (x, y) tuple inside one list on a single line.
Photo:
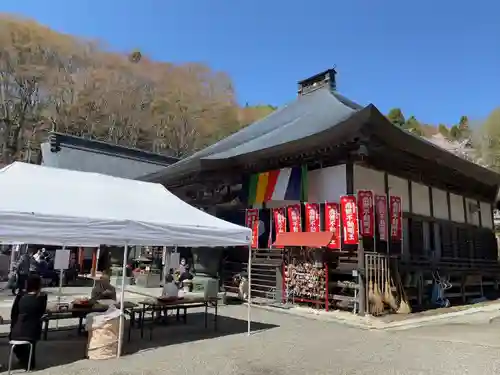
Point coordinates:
[(52, 81)]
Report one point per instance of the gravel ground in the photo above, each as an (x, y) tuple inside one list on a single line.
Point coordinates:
[(284, 344)]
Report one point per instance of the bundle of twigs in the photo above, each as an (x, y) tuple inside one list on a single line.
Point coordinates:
[(404, 306), (389, 298), (374, 293)]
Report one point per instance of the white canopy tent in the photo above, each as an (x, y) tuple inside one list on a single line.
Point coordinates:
[(54, 206), (62, 207)]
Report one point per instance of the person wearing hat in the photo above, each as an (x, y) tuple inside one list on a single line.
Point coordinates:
[(103, 289)]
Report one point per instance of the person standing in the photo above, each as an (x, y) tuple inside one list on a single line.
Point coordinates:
[(26, 320), (23, 268)]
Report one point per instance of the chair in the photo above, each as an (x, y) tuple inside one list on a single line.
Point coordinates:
[(13, 344)]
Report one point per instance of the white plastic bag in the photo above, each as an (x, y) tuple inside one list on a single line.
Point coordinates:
[(97, 320), (103, 335)]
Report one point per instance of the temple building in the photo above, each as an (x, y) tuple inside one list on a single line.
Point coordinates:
[(344, 147)]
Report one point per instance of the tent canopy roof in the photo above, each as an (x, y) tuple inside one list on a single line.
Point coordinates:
[(62, 207)]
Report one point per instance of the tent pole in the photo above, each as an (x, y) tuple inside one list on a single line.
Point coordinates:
[(97, 259), (122, 303), (59, 292), (165, 263), (249, 297)]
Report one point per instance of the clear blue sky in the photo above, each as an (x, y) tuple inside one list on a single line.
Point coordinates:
[(435, 59)]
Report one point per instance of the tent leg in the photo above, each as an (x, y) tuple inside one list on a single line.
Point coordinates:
[(249, 297), (165, 264), (98, 255), (59, 292), (122, 303)]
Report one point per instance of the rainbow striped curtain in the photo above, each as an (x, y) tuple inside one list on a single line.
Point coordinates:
[(278, 185)]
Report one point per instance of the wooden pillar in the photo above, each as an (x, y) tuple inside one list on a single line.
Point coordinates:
[(94, 262), (80, 258)]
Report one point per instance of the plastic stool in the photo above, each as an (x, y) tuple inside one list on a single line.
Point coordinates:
[(13, 344)]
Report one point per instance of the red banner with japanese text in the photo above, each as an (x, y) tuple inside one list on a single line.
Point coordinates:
[(366, 213), (252, 221), (332, 223), (294, 218), (279, 217), (381, 215), (312, 217), (396, 212), (349, 219)]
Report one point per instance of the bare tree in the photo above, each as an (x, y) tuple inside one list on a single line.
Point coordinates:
[(53, 81)]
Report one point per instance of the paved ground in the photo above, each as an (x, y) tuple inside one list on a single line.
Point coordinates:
[(284, 344)]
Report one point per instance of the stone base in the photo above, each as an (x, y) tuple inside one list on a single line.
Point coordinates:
[(117, 281), (148, 280), (209, 286)]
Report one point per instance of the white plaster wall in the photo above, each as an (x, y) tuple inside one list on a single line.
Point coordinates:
[(368, 179), (440, 204), (421, 204), (327, 184), (399, 187), (472, 217), (457, 208), (486, 217)]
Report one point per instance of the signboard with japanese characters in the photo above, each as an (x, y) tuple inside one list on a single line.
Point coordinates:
[(252, 221), (294, 218), (381, 215), (366, 214), (332, 223), (312, 217), (279, 218), (396, 212), (349, 219)]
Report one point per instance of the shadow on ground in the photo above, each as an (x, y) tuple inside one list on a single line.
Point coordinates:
[(65, 346), (177, 333), (61, 348)]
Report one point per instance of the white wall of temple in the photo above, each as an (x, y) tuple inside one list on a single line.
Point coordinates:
[(399, 187), (440, 202), (486, 215), (368, 179), (471, 212), (327, 184)]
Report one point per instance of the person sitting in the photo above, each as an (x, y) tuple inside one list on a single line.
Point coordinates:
[(170, 289), (103, 289), (26, 320), (185, 274)]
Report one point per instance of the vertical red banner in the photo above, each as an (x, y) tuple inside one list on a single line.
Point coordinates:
[(252, 221), (381, 215), (279, 217), (312, 217), (349, 219), (366, 213), (294, 218), (396, 212), (332, 223)]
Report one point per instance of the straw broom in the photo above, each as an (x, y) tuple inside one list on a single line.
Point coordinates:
[(388, 296), (377, 305), (404, 306)]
